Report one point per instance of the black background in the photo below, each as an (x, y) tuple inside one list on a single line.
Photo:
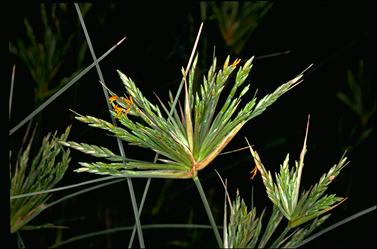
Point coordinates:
[(332, 35)]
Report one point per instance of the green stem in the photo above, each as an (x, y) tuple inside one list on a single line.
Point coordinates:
[(140, 210), (82, 192), (342, 222), (126, 228), (208, 210), (62, 188), (20, 241), (273, 223), (120, 145), (136, 213), (280, 238), (11, 90), (62, 90)]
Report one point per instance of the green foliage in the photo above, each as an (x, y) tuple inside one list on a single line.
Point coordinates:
[(284, 192), (360, 99), (43, 173), (238, 20), (44, 56), (245, 226), (188, 138)]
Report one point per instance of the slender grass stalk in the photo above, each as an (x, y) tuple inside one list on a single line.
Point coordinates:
[(225, 222), (62, 188), (281, 237), (126, 228), (120, 145), (140, 208), (82, 192), (265, 56), (333, 226), (20, 241), (272, 224), (24, 138), (208, 211), (63, 89), (11, 89), (44, 226)]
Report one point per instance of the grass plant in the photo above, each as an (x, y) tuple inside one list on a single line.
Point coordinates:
[(303, 210), (189, 137), (187, 133), (45, 170)]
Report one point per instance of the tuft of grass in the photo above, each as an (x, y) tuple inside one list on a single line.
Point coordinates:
[(360, 99), (44, 55), (187, 137), (45, 170), (304, 210), (284, 192), (237, 20)]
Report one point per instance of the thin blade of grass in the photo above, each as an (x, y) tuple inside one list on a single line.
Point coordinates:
[(11, 90), (63, 89), (125, 228), (62, 188), (120, 145), (208, 210), (342, 222), (272, 224)]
